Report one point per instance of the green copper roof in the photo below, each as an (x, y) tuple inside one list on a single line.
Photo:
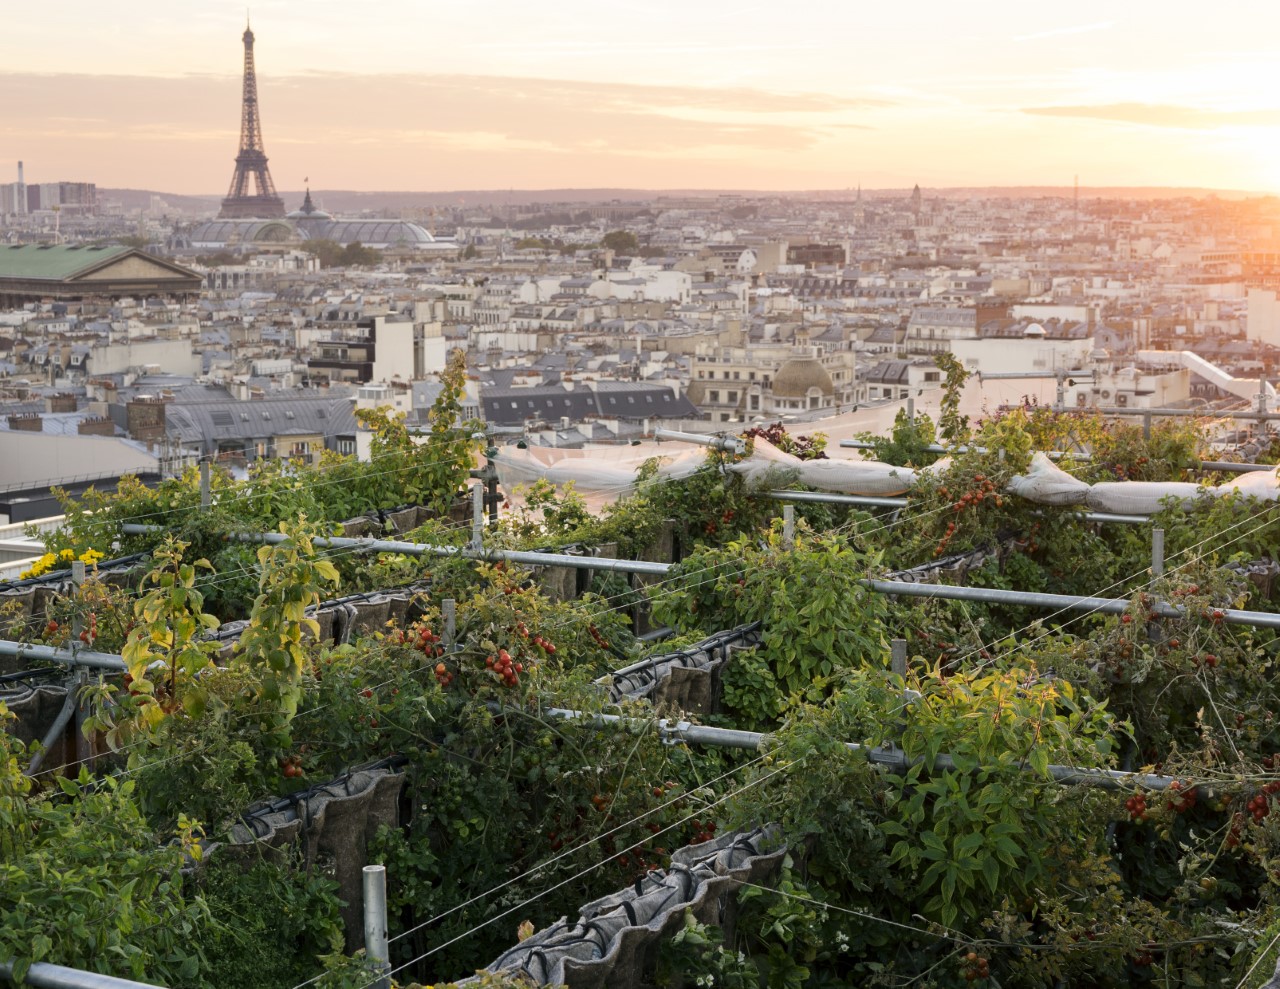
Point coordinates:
[(52, 261)]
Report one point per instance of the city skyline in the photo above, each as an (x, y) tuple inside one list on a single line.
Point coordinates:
[(395, 95)]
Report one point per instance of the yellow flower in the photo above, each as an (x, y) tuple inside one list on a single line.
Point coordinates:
[(68, 555)]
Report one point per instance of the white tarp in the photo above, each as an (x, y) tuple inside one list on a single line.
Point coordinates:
[(1261, 484), (855, 477), (608, 471), (1046, 483), (1142, 497)]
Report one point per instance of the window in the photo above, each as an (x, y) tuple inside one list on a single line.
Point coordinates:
[(751, 376), (649, 399), (733, 396), (737, 375), (713, 396)]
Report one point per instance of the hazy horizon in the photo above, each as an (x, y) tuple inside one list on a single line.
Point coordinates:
[(648, 94)]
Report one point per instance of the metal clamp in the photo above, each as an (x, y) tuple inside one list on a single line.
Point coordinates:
[(673, 733)]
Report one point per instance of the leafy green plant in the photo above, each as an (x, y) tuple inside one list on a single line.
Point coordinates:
[(819, 621), (85, 882), (272, 647), (256, 909)]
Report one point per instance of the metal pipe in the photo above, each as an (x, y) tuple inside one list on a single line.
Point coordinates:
[(421, 549), (375, 923), (206, 491), (1124, 410), (46, 976), (1113, 606), (449, 610), (477, 517), (728, 444), (788, 527), (1036, 599), (892, 758), (844, 499), (69, 707), (898, 657), (1157, 552), (70, 657), (1229, 466), (836, 499)]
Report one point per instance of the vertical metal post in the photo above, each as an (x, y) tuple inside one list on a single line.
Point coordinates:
[(76, 683), (77, 581), (375, 923), (898, 657), (491, 480), (1157, 552), (206, 489), (449, 610), (477, 516), (788, 527), (911, 408), (1146, 425)]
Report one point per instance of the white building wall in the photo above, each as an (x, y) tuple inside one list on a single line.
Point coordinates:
[(172, 357), (1263, 321), (1004, 356)]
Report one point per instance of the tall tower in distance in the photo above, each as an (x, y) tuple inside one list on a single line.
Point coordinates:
[(251, 161)]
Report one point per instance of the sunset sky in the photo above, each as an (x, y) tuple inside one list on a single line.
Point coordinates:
[(492, 94)]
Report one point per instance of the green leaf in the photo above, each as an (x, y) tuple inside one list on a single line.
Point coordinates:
[(991, 873)]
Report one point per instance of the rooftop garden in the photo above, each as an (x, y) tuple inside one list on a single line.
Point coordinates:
[(993, 792)]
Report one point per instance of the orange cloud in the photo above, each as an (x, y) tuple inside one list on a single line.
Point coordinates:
[(1159, 115)]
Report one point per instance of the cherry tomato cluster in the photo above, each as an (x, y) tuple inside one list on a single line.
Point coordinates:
[(90, 632), (422, 638), (291, 766), (702, 831), (1260, 806), (1137, 807), (600, 640), (975, 967), (1144, 958), (1181, 800), (984, 489), (507, 670)]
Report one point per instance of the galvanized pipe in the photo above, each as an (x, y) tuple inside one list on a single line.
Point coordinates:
[(844, 499), (1227, 466), (1124, 410), (46, 976), (375, 923), (69, 708), (422, 549), (892, 758), (71, 657), (1052, 602), (836, 499), (729, 444)]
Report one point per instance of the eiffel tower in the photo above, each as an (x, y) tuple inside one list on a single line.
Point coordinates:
[(251, 162)]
